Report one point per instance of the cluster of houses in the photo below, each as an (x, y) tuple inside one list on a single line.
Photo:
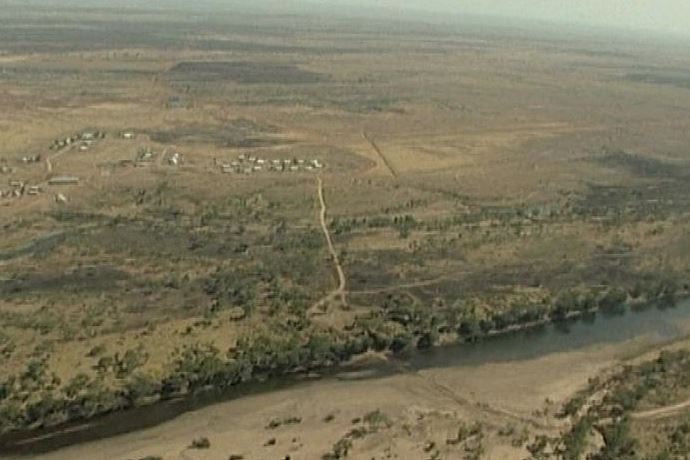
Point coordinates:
[(247, 164), (85, 139), (19, 188), (26, 159), (7, 169), (146, 155), (31, 159)]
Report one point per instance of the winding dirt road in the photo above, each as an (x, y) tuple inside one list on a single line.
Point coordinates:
[(340, 291)]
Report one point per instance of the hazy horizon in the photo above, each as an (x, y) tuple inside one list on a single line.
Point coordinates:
[(661, 16), (665, 16)]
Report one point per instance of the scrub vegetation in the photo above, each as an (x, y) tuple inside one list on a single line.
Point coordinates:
[(467, 194)]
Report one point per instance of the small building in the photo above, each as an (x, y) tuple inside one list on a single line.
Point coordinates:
[(63, 180), (31, 158), (91, 135), (144, 155)]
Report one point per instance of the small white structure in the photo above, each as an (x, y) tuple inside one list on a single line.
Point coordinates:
[(63, 180), (31, 158)]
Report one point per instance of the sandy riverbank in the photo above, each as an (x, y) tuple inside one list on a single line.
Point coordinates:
[(424, 407)]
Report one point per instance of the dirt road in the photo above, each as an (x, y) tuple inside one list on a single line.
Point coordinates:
[(161, 157), (342, 281), (51, 158), (661, 412)]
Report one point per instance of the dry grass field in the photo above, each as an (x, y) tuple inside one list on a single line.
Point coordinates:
[(476, 178)]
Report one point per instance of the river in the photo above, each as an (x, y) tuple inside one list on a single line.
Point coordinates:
[(519, 349)]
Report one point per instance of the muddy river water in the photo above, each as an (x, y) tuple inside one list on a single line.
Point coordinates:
[(518, 351)]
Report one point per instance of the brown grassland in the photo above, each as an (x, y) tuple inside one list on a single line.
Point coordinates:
[(476, 178)]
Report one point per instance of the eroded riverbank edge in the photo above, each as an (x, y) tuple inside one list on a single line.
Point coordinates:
[(503, 384)]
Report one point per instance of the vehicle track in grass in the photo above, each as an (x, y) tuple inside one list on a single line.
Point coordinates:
[(341, 290), (380, 154)]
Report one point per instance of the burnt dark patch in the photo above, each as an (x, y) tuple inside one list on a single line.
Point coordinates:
[(242, 72), (641, 166), (42, 245), (84, 278), (677, 80), (613, 203), (241, 133)]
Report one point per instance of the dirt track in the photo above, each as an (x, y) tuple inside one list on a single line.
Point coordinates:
[(51, 158), (378, 151), (342, 280), (661, 412)]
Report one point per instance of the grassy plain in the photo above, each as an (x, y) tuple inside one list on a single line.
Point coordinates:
[(475, 179)]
